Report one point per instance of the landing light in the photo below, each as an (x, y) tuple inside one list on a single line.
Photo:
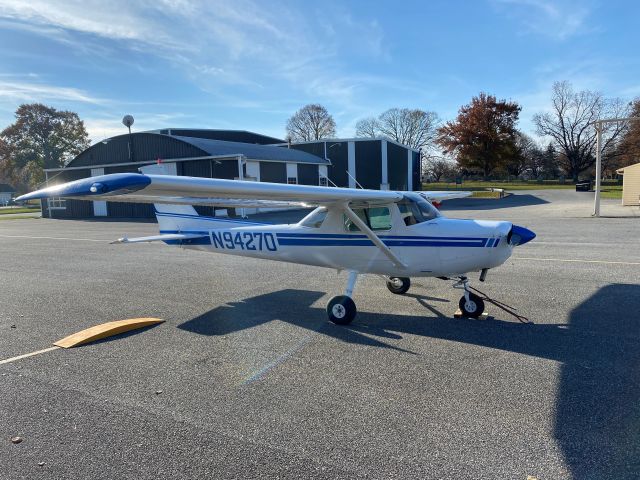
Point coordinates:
[(96, 187)]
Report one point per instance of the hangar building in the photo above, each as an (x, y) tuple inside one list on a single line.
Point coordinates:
[(230, 154)]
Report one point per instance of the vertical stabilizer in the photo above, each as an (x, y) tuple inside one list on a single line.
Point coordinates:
[(171, 218)]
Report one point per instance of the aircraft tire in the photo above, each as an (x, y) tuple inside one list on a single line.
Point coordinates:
[(341, 310), (472, 309), (398, 285)]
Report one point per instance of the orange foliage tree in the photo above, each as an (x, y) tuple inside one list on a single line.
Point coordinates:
[(483, 136)]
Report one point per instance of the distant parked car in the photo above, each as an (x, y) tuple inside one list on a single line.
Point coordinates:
[(583, 186)]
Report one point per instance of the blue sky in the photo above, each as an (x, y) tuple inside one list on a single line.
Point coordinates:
[(249, 65)]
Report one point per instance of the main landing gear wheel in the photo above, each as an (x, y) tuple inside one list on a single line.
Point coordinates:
[(473, 307), (398, 285), (341, 310)]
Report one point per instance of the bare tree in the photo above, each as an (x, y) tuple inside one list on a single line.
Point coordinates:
[(439, 168), (367, 127), (570, 126), (414, 128), (527, 157), (311, 122), (628, 148)]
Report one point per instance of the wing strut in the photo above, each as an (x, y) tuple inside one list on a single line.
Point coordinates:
[(372, 236)]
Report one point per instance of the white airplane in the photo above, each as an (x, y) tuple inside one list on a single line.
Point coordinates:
[(397, 235)]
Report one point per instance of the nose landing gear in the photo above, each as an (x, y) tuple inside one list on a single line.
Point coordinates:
[(471, 305)]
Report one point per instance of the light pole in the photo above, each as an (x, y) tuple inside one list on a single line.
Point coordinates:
[(598, 124), (127, 121)]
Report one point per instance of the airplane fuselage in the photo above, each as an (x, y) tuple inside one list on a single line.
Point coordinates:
[(436, 247)]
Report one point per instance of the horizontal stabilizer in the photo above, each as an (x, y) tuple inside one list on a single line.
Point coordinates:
[(441, 196), (168, 237)]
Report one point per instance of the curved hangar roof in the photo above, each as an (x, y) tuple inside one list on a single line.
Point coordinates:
[(252, 151), (151, 146)]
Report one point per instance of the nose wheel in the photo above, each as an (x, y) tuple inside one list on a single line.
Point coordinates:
[(471, 307)]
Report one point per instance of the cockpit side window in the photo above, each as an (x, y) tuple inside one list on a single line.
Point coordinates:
[(376, 218), (407, 214)]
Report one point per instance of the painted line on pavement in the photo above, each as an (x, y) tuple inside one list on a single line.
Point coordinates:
[(590, 244), (57, 238), (262, 372), (19, 357), (575, 261)]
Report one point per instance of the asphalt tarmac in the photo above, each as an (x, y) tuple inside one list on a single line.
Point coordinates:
[(247, 379)]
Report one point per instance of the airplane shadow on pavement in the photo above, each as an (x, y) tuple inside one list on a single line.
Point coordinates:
[(514, 200), (597, 423)]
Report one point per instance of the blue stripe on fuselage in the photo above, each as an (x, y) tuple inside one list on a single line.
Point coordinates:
[(347, 240), (390, 237)]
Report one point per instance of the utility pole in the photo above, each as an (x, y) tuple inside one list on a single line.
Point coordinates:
[(599, 125)]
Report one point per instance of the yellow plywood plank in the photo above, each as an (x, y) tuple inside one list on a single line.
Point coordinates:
[(105, 330)]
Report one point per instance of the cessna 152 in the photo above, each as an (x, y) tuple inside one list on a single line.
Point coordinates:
[(397, 235)]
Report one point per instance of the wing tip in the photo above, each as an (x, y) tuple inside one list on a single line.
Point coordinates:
[(92, 186)]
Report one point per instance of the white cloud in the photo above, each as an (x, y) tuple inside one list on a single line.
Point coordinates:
[(216, 43), (98, 18), (244, 53), (37, 92), (200, 28), (558, 19)]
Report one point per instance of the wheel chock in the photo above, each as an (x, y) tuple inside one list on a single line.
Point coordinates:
[(484, 316), (105, 330)]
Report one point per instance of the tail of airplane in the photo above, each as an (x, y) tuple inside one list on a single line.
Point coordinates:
[(172, 218), (178, 218), (183, 218)]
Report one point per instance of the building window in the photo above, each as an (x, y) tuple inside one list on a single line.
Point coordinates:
[(56, 203), (292, 180), (323, 181)]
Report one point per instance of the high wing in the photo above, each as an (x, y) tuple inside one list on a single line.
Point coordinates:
[(169, 189)]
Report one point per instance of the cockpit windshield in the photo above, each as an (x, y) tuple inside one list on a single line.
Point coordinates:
[(315, 218), (416, 210)]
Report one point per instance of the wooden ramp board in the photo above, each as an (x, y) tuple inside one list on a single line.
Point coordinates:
[(484, 316), (105, 330)]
